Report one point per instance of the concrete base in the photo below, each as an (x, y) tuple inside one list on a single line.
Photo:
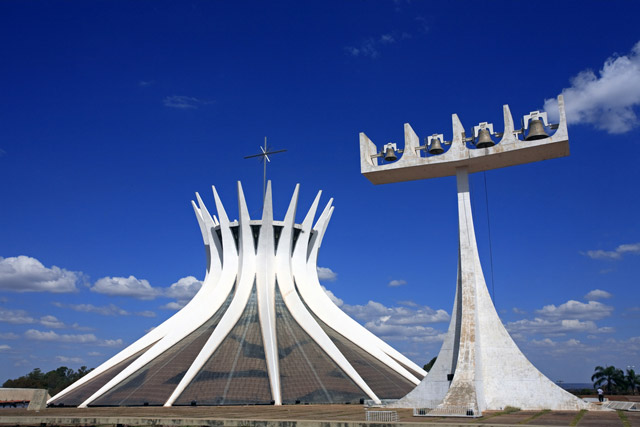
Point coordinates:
[(37, 397), (479, 366)]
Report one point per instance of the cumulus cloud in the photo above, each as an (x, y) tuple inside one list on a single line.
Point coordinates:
[(570, 346), (373, 311), (183, 102), (606, 100), (173, 305), (396, 282), (399, 323), (34, 334), (326, 274), (184, 289), (125, 286), (146, 313), (5, 347), (337, 301), (571, 309), (617, 253), (65, 359), (105, 310), (597, 294), (554, 327), (110, 343), (9, 336), (51, 322), (26, 274), (51, 336), (404, 323), (15, 316)]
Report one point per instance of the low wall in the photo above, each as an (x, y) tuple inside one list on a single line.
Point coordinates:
[(37, 397)]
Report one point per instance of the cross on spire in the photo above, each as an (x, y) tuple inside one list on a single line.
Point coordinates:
[(264, 157)]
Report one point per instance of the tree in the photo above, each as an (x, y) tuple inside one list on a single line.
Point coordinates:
[(608, 376), (632, 381), (54, 381), (429, 365)]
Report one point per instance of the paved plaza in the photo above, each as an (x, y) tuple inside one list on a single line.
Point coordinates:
[(294, 415)]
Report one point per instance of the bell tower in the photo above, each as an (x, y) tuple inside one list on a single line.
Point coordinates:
[(479, 366)]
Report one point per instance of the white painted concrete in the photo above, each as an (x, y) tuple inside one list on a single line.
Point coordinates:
[(234, 271), (479, 365), (489, 370), (509, 151)]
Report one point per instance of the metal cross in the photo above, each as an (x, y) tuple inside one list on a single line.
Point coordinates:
[(265, 158)]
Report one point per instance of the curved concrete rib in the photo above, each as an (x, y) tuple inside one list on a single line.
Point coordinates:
[(191, 316), (246, 279), (314, 284), (211, 278), (234, 270), (265, 286), (216, 245), (296, 307), (322, 306)]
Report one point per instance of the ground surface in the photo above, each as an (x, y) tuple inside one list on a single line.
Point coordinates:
[(299, 414)]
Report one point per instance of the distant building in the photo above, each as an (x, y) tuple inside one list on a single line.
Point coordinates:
[(261, 330)]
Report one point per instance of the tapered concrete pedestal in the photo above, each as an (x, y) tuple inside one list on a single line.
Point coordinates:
[(479, 366)]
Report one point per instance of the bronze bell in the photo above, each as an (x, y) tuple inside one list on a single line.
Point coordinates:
[(390, 155), (536, 130), (436, 146), (484, 139)]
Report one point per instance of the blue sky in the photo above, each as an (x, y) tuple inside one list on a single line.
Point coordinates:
[(114, 113)]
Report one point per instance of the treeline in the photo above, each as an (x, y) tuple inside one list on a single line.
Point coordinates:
[(615, 381), (54, 381)]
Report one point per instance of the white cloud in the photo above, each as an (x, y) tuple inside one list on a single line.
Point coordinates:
[(94, 353), (184, 289), (571, 309), (9, 336), (405, 323), (554, 327), (15, 316), (408, 303), (110, 343), (606, 100), (326, 274), (125, 286), (26, 274), (396, 282), (374, 311), (597, 294), (65, 359), (106, 310), (370, 47), (172, 306), (631, 248), (183, 102), (51, 336), (337, 301), (51, 322), (34, 334), (146, 313), (5, 347), (516, 310)]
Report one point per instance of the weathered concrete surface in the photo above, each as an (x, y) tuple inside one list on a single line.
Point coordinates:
[(480, 367), (509, 151), (37, 397)]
